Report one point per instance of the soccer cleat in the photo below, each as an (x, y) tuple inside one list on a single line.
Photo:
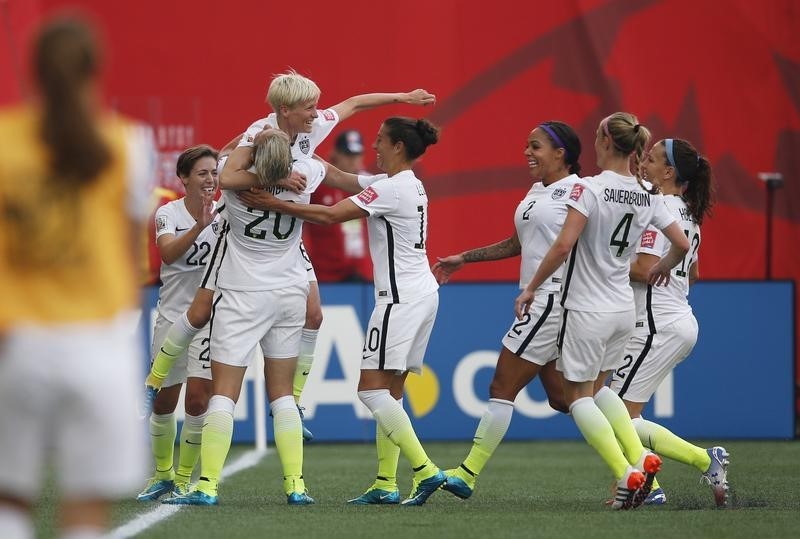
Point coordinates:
[(180, 489), (717, 474), (154, 489), (627, 487), (377, 496), (149, 399), (423, 490), (650, 464), (656, 497), (194, 497), (299, 498), (456, 485), (307, 435)]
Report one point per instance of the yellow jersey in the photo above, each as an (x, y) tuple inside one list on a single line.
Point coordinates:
[(65, 252)]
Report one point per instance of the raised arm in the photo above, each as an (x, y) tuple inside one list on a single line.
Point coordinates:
[(341, 212), (358, 103), (235, 175), (172, 247), (445, 267), (340, 179)]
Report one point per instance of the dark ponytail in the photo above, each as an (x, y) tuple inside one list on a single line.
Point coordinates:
[(65, 62), (694, 172), (416, 135)]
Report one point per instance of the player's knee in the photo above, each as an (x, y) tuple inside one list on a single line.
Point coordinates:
[(558, 403), (313, 319), (196, 404), (498, 389)]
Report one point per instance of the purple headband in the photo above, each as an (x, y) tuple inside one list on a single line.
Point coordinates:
[(559, 144)]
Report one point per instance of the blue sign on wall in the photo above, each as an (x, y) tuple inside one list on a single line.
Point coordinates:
[(737, 383)]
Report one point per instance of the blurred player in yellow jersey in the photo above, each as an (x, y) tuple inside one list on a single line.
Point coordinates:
[(73, 186)]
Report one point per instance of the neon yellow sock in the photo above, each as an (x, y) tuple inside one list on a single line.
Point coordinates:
[(620, 420), (388, 457), (667, 444), (490, 432), (217, 434), (191, 436), (656, 486), (177, 340), (162, 442), (301, 375), (598, 433), (289, 442), (395, 423)]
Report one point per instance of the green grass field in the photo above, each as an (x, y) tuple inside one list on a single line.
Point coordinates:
[(544, 489)]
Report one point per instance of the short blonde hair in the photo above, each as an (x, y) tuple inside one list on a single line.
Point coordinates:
[(273, 159), (290, 89)]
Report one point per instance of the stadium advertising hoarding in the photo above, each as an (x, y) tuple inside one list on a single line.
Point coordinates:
[(737, 383)]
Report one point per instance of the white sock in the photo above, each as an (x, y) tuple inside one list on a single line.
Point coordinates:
[(15, 523)]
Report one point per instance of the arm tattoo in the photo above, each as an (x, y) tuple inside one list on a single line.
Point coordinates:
[(504, 249)]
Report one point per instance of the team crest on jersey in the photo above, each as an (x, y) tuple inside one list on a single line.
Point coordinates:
[(328, 115), (558, 193), (577, 191), (367, 195), (161, 223), (250, 138), (304, 145), (215, 227), (649, 239)]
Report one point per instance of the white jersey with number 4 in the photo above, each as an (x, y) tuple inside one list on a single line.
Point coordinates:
[(263, 247), (398, 231), (181, 278), (618, 210), (538, 220), (306, 143), (658, 306)]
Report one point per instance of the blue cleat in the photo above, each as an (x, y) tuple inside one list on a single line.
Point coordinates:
[(656, 497), (376, 496), (717, 474), (195, 497), (424, 489), (154, 489), (455, 485), (149, 399), (307, 435), (299, 498)]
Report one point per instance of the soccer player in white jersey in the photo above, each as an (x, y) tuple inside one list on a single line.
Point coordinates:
[(607, 214), (666, 329), (530, 346), (406, 300), (294, 100), (185, 235)]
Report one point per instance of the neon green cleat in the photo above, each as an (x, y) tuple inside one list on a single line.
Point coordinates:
[(154, 489)]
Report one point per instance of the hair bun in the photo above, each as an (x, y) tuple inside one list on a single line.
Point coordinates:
[(427, 131)]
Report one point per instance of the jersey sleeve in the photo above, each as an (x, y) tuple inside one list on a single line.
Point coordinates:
[(249, 136), (313, 170), (662, 217), (165, 221), (582, 198), (379, 198), (323, 125), (366, 180), (652, 242), (141, 171)]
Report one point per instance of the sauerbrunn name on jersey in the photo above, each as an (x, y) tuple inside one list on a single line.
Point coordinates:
[(623, 196)]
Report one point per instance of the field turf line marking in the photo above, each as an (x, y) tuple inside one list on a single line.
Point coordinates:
[(163, 512)]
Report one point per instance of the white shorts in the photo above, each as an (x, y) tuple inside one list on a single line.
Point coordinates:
[(70, 393), (592, 343), (398, 334), (312, 276), (535, 337), (193, 363), (209, 281), (241, 320), (649, 358)]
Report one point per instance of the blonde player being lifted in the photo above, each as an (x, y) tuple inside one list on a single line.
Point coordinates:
[(294, 99), (666, 329), (185, 235), (607, 214), (406, 298)]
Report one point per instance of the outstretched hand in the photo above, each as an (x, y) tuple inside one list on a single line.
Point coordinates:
[(447, 266), (207, 211), (420, 97), (257, 199)]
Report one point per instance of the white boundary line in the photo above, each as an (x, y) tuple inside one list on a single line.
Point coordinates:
[(163, 512)]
